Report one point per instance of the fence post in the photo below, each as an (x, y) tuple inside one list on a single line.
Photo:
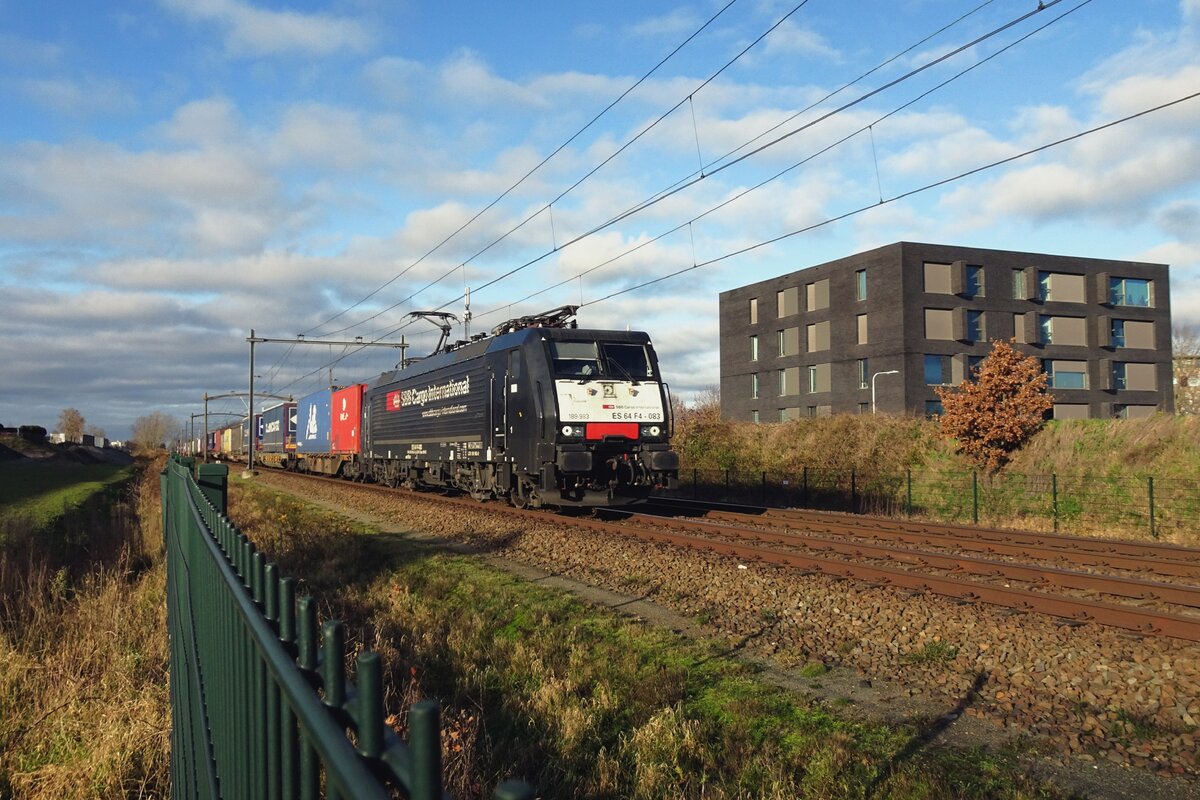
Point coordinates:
[(1150, 493), (213, 480), (764, 488), (1054, 498), (695, 483), (727, 484), (908, 499), (975, 497), (853, 491), (804, 493)]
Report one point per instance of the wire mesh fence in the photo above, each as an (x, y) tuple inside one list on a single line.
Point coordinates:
[(1167, 508)]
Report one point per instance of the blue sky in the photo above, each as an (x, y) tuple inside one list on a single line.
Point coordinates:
[(176, 172)]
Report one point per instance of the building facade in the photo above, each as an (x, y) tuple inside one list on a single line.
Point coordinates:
[(881, 329)]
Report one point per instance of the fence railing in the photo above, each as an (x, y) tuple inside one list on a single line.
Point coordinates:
[(260, 706), (1074, 503)]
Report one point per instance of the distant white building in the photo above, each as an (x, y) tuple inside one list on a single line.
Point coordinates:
[(58, 438)]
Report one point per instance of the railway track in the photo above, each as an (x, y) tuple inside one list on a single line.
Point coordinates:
[(935, 560)]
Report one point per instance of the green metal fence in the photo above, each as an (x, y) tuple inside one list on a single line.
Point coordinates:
[(260, 706), (1076, 503)]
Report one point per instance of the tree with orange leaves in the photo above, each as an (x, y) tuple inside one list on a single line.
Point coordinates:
[(994, 414)]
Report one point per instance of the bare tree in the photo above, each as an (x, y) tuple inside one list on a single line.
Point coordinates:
[(152, 431), (96, 430), (993, 415), (1185, 346), (70, 424)]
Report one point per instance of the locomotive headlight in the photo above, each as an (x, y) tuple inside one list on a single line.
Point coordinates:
[(651, 431), (572, 430), (654, 431)]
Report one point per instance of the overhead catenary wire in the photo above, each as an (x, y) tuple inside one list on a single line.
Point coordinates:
[(528, 174), (587, 175), (873, 205), (662, 196), (901, 196), (737, 196), (940, 59)]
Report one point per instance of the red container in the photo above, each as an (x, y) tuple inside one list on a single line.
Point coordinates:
[(345, 434)]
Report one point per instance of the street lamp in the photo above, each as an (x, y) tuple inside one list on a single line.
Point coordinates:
[(873, 377)]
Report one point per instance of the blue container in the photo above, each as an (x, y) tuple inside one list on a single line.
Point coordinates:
[(279, 428), (313, 422)]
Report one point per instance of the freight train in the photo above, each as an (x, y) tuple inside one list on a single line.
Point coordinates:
[(539, 412)]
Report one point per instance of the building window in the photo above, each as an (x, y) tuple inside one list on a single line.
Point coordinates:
[(974, 332), (818, 336), (754, 386), (753, 310), (754, 417), (754, 348), (860, 285), (783, 387), (862, 328), (974, 281), (864, 408), (1062, 330), (939, 324), (1119, 375), (939, 278), (1130, 292), (817, 295), (973, 363), (1066, 374), (787, 302), (1118, 333), (933, 408), (1043, 286), (864, 373), (1018, 285), (937, 370), (811, 411), (819, 378), (789, 341), (1061, 287)]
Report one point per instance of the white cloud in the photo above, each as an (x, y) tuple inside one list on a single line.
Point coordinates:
[(465, 76), (792, 39), (89, 95), (253, 31), (679, 20)]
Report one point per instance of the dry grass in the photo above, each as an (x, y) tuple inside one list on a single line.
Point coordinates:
[(577, 700), (83, 665)]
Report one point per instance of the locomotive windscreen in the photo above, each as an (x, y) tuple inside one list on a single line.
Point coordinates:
[(584, 359)]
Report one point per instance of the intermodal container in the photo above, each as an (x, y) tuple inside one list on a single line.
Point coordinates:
[(312, 422), (279, 428), (347, 419), (226, 441), (235, 440)]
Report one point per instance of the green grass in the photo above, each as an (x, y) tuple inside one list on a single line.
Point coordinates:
[(44, 492), (583, 702)]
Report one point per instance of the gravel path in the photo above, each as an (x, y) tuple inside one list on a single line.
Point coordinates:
[(1108, 708)]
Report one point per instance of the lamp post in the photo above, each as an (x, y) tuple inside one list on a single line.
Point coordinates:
[(873, 377)]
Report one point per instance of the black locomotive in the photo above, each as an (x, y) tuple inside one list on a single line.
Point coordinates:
[(540, 412)]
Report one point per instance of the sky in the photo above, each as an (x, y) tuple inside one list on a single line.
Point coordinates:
[(175, 173)]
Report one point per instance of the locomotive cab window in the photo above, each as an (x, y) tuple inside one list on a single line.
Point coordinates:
[(575, 359), (626, 361)]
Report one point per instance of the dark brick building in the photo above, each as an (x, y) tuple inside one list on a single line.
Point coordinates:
[(813, 342)]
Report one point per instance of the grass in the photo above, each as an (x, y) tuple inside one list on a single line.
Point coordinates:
[(34, 495), (83, 648), (585, 703)]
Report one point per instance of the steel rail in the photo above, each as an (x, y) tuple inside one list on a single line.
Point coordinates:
[(1172, 560), (1144, 621), (1065, 578)]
